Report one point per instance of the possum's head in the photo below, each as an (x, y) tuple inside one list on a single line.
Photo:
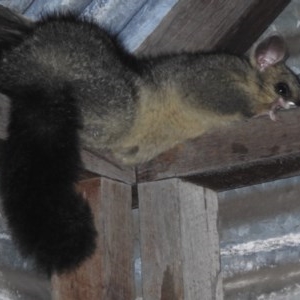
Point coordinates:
[(277, 86)]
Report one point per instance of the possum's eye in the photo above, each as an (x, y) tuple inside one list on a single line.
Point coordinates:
[(282, 89)]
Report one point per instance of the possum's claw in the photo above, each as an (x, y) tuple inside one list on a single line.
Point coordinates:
[(272, 115)]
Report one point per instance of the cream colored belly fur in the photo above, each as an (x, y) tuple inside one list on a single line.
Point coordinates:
[(163, 121)]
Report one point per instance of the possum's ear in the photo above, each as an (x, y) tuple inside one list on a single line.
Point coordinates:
[(268, 53)]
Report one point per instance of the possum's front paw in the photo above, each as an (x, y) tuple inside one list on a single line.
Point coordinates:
[(276, 105)]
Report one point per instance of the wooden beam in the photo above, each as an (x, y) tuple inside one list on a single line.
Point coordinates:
[(179, 241), (232, 25), (109, 273), (100, 166), (250, 25), (244, 153)]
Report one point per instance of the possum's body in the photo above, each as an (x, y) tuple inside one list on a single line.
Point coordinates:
[(70, 83)]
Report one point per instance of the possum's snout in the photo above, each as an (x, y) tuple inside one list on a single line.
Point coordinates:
[(278, 104)]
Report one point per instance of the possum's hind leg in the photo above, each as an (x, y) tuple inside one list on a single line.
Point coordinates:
[(39, 168)]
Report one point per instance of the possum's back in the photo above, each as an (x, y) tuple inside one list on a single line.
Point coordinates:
[(64, 48), (99, 73)]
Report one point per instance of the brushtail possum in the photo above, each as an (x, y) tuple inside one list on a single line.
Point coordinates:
[(70, 82)]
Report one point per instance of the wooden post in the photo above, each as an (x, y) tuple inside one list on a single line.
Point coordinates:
[(179, 241), (108, 274)]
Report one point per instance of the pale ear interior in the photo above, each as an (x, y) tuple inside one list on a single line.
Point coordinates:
[(269, 52)]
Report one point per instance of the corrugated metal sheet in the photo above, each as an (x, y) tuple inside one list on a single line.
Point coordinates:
[(260, 241), (132, 20)]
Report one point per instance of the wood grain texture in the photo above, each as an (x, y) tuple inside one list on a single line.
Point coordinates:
[(99, 165), (250, 152), (108, 274), (249, 26), (205, 25), (179, 241)]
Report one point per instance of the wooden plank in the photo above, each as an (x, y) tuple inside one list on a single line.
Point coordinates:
[(250, 25), (179, 241), (248, 174), (108, 274), (204, 25), (99, 165), (269, 149)]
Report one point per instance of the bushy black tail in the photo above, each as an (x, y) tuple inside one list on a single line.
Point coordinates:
[(13, 28), (40, 164)]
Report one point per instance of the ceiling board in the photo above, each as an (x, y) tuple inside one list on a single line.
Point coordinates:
[(231, 24)]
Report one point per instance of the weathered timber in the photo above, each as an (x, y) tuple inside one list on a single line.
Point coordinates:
[(244, 153), (205, 25), (108, 274), (179, 241), (260, 14), (101, 166)]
